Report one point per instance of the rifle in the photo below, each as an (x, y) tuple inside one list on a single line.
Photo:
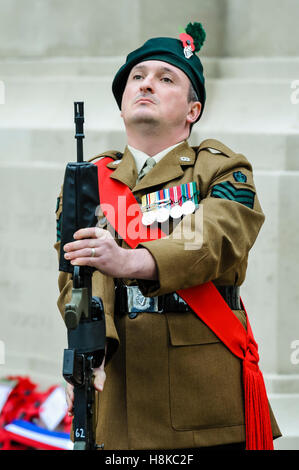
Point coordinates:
[(84, 315)]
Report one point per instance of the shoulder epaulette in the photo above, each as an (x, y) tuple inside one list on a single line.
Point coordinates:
[(215, 145), (115, 154)]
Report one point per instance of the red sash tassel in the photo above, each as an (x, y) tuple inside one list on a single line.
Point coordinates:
[(208, 304), (257, 415)]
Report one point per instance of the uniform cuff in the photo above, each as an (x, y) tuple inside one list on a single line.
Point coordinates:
[(173, 265)]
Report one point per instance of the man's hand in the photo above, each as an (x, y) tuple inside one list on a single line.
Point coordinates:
[(97, 248), (99, 380)]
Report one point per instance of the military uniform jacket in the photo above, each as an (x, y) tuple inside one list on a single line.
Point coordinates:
[(170, 382)]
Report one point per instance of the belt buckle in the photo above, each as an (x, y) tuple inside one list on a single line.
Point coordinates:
[(138, 303)]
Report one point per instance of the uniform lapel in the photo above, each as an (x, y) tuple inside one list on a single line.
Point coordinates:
[(125, 169), (168, 168)]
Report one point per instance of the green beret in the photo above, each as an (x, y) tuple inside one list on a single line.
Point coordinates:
[(168, 50)]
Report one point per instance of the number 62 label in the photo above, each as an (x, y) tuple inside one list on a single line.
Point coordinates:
[(79, 432)]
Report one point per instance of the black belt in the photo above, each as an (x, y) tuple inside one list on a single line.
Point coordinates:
[(129, 299)]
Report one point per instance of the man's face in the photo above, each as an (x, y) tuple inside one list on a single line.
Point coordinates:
[(156, 93)]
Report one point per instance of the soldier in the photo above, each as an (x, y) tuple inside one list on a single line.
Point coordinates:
[(171, 379)]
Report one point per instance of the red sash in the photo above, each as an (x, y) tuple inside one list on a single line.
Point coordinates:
[(206, 301)]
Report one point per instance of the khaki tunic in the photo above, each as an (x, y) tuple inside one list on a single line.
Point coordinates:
[(170, 382)]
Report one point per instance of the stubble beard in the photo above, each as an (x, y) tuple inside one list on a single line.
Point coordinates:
[(146, 123)]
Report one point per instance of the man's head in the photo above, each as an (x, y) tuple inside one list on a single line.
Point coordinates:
[(159, 95), (154, 55)]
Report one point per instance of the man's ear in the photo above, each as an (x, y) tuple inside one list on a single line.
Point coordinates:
[(194, 112)]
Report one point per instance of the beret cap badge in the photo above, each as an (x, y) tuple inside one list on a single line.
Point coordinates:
[(188, 44), (192, 38)]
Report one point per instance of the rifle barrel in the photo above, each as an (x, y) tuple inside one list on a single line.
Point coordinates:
[(79, 120)]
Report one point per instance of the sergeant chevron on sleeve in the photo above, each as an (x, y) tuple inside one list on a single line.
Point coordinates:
[(181, 368)]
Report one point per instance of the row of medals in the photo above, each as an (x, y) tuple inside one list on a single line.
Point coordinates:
[(164, 211)]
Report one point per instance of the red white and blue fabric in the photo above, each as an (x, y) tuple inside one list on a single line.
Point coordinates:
[(37, 437)]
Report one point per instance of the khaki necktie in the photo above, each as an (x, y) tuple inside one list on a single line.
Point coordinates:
[(149, 164)]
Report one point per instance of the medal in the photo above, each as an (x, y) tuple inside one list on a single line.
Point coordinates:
[(163, 204), (176, 211), (162, 214), (148, 218), (149, 215), (188, 207)]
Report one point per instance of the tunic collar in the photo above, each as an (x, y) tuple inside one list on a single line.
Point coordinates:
[(141, 157)]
